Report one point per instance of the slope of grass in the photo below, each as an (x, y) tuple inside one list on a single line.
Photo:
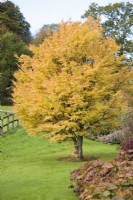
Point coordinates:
[(6, 108), (32, 169)]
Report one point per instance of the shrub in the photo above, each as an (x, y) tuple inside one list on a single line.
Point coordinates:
[(99, 180), (119, 136), (128, 145), (113, 138), (128, 124)]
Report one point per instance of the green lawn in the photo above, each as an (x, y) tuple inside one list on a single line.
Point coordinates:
[(6, 108), (32, 170)]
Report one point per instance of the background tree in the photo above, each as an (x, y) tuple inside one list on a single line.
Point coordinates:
[(14, 34), (46, 31), (14, 20), (117, 20), (10, 46), (72, 85)]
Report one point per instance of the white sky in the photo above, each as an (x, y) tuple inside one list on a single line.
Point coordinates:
[(40, 12)]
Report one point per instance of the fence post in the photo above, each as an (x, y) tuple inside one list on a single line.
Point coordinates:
[(1, 131), (12, 120), (8, 122), (1, 127)]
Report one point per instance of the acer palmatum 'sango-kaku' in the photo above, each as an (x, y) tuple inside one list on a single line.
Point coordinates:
[(71, 85)]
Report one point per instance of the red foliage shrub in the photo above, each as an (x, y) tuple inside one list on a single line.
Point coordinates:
[(99, 180), (128, 145)]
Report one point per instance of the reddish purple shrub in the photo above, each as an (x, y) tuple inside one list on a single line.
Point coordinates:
[(99, 180), (128, 145)]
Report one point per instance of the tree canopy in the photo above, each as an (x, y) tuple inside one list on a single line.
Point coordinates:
[(46, 31), (10, 47), (14, 34), (14, 20), (72, 85), (117, 20)]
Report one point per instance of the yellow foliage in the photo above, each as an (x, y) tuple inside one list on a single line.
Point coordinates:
[(72, 82)]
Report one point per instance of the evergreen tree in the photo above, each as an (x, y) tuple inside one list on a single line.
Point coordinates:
[(11, 46), (14, 20)]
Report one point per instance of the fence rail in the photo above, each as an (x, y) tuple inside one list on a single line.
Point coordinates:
[(8, 121)]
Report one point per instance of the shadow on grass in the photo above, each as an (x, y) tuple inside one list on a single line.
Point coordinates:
[(73, 159), (11, 131)]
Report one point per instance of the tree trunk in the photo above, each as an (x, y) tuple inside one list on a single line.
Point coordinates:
[(78, 143)]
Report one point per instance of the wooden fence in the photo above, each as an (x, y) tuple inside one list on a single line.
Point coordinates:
[(8, 121)]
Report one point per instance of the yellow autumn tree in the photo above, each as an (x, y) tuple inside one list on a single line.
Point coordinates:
[(72, 84)]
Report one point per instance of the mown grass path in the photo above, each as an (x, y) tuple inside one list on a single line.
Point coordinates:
[(31, 168)]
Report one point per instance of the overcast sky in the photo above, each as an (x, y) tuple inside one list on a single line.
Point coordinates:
[(40, 12)]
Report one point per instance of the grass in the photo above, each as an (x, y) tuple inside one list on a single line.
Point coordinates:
[(6, 108), (31, 168)]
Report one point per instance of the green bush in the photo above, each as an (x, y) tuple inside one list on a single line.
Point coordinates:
[(99, 180)]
